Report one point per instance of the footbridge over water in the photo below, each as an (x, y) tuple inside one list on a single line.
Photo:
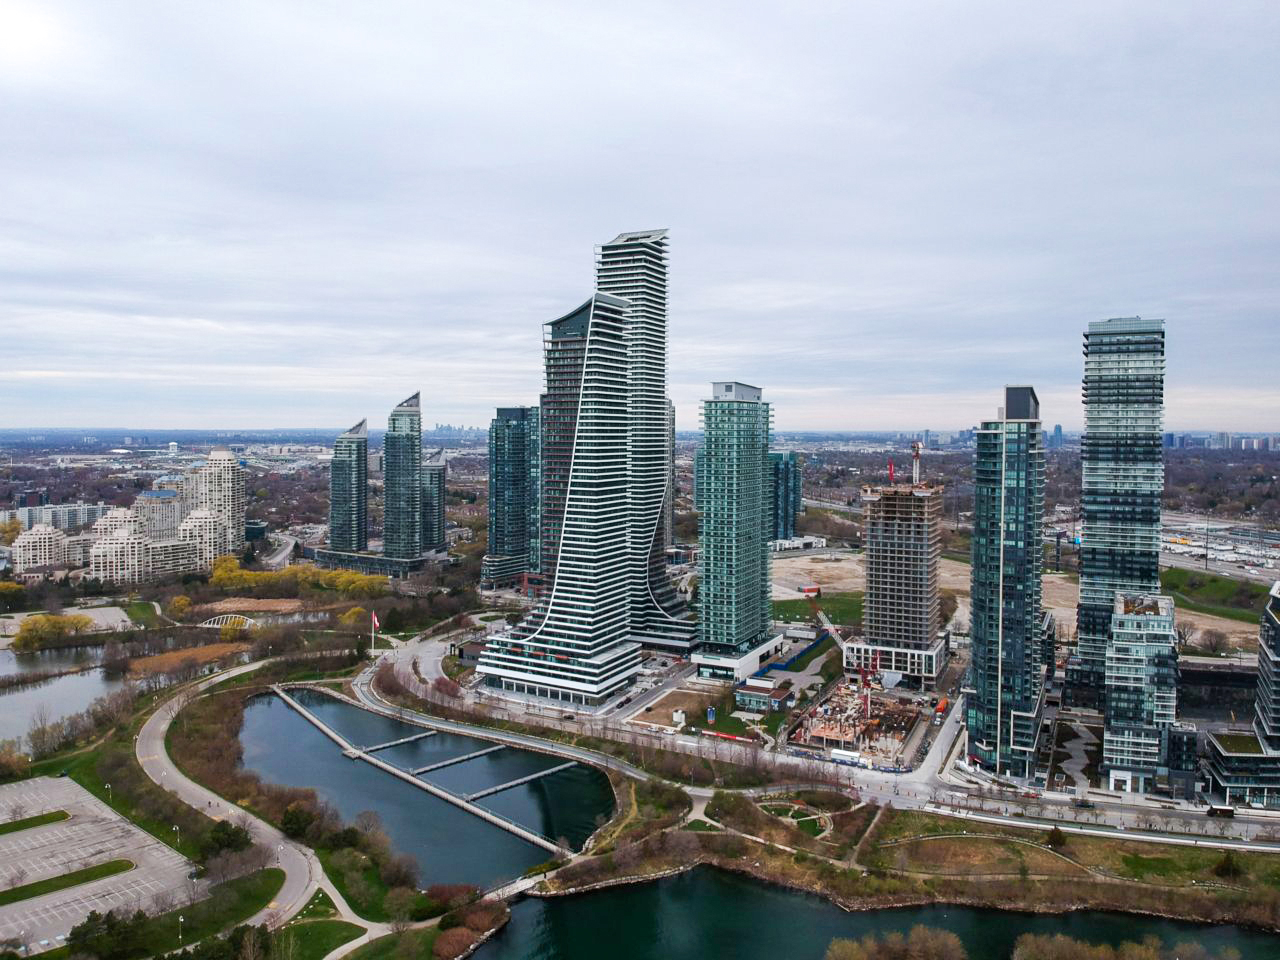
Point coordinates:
[(395, 743), (350, 750)]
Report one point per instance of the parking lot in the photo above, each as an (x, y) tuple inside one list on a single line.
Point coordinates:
[(93, 834)]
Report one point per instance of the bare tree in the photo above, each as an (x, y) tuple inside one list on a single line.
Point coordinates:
[(1215, 641)]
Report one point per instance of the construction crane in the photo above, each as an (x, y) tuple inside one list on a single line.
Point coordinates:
[(915, 462)]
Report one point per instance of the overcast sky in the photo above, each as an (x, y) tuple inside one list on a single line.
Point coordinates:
[(252, 214)]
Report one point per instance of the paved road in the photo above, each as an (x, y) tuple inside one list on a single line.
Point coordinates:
[(303, 873), (924, 787)]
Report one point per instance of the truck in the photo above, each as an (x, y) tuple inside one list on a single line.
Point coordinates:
[(940, 712)]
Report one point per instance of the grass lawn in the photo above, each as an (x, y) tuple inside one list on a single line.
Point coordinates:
[(701, 826), (1218, 596), (142, 613), (725, 723), (316, 939), (812, 826), (453, 667), (821, 650), (319, 907), (72, 879), (26, 823), (1239, 742), (228, 905), (385, 948), (844, 609), (83, 770), (364, 897)]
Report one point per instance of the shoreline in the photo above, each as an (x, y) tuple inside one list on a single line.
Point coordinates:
[(891, 901)]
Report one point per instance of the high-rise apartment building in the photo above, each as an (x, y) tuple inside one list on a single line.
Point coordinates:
[(1244, 765), (576, 645), (786, 494), (220, 489), (41, 546), (402, 488), (515, 467), (633, 266), (1122, 480), (901, 618), (349, 491), (1141, 743), (1005, 689), (434, 472), (734, 477), (159, 513), (606, 456)]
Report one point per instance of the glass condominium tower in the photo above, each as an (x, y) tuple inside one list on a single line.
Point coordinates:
[(1122, 479), (787, 492), (348, 491), (402, 471), (575, 646), (514, 481), (734, 500), (434, 473), (1005, 693), (633, 266)]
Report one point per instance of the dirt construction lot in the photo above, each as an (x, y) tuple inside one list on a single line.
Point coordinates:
[(843, 572), (692, 702)]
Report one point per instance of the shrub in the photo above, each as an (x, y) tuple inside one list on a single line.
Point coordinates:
[(452, 943)]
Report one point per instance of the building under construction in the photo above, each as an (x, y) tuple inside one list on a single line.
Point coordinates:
[(859, 720), (901, 615)]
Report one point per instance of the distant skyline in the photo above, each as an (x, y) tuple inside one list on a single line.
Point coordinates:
[(253, 215)]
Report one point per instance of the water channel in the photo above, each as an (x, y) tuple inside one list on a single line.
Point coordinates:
[(449, 844), (704, 913), (59, 697), (709, 913)]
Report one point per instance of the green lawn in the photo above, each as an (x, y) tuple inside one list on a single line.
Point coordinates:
[(316, 939), (82, 768), (843, 609), (366, 896), (1239, 742), (72, 879), (26, 823), (1219, 596), (228, 905), (701, 826), (386, 948), (142, 613), (828, 643), (319, 907)]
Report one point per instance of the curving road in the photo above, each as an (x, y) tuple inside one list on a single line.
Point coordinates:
[(302, 870)]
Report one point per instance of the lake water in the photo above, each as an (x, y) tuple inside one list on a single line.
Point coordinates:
[(60, 697), (708, 913), (449, 844)]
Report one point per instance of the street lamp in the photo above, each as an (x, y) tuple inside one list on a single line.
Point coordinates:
[(180, 919), (279, 851), (177, 834), (108, 786)]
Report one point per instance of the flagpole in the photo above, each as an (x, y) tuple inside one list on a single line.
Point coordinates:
[(372, 617)]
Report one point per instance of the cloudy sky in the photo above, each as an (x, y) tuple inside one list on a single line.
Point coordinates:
[(266, 213)]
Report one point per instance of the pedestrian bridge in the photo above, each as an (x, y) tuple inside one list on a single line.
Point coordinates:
[(230, 620), (357, 753)]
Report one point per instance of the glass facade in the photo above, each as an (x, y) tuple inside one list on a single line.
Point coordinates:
[(434, 473), (1005, 688), (514, 482), (733, 484), (1244, 767), (575, 645), (787, 495), (633, 266), (402, 469), (1122, 479), (348, 491)]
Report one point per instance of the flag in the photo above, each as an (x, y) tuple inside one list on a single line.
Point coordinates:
[(375, 620)]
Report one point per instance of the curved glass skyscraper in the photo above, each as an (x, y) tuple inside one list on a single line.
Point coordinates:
[(402, 469)]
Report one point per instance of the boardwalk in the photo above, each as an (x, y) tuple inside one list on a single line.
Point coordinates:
[(355, 752)]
